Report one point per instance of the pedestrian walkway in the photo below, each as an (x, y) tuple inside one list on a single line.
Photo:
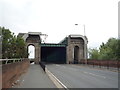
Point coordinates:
[(35, 78)]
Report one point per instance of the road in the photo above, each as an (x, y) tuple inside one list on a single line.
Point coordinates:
[(73, 76)]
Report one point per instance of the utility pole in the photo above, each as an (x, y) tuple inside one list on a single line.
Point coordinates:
[(85, 44), (83, 27), (119, 20), (84, 30)]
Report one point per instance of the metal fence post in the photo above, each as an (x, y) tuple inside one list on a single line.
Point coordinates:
[(107, 64), (6, 61), (13, 61), (118, 65), (93, 63), (100, 64)]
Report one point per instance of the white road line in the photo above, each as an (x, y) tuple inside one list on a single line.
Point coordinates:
[(63, 66), (97, 75), (57, 65), (58, 80), (85, 72), (94, 74)]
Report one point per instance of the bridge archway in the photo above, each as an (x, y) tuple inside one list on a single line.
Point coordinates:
[(76, 54), (31, 51), (33, 38)]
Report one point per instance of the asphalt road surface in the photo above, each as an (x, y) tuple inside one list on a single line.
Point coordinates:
[(73, 76)]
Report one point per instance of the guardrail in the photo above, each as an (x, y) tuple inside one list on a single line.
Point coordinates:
[(8, 61), (100, 63)]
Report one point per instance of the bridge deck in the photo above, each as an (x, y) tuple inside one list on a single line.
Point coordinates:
[(35, 78), (73, 76)]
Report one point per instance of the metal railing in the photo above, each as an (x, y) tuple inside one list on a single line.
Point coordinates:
[(99, 63), (8, 61)]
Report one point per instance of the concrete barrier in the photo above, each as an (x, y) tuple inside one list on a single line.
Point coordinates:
[(11, 72)]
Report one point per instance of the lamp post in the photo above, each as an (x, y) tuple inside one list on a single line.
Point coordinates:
[(85, 45), (84, 29), (76, 24)]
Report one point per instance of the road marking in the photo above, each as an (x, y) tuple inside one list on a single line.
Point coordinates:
[(57, 65), (60, 65), (63, 66), (85, 72), (97, 75), (94, 74), (50, 74)]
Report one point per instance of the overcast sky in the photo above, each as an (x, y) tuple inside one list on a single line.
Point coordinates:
[(57, 18)]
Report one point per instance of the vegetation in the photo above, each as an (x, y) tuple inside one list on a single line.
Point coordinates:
[(12, 45), (108, 51)]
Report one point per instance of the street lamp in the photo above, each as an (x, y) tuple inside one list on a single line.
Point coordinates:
[(76, 24), (85, 47), (84, 28)]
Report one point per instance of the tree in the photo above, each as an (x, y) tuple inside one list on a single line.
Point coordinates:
[(21, 50), (93, 53), (6, 42), (0, 43), (118, 49), (12, 46), (109, 50)]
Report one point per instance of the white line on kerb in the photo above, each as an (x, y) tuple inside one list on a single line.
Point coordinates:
[(58, 80)]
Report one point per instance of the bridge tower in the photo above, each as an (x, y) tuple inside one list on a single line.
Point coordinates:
[(33, 38), (76, 48)]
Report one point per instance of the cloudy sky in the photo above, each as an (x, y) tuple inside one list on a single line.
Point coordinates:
[(57, 18)]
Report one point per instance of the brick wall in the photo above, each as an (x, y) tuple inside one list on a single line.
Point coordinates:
[(11, 72)]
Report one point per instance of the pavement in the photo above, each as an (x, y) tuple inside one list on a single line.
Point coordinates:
[(35, 78), (73, 76)]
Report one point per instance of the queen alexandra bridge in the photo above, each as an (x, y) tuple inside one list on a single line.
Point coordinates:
[(72, 48), (55, 59)]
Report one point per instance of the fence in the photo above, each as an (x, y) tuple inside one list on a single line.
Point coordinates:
[(100, 63), (8, 61)]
